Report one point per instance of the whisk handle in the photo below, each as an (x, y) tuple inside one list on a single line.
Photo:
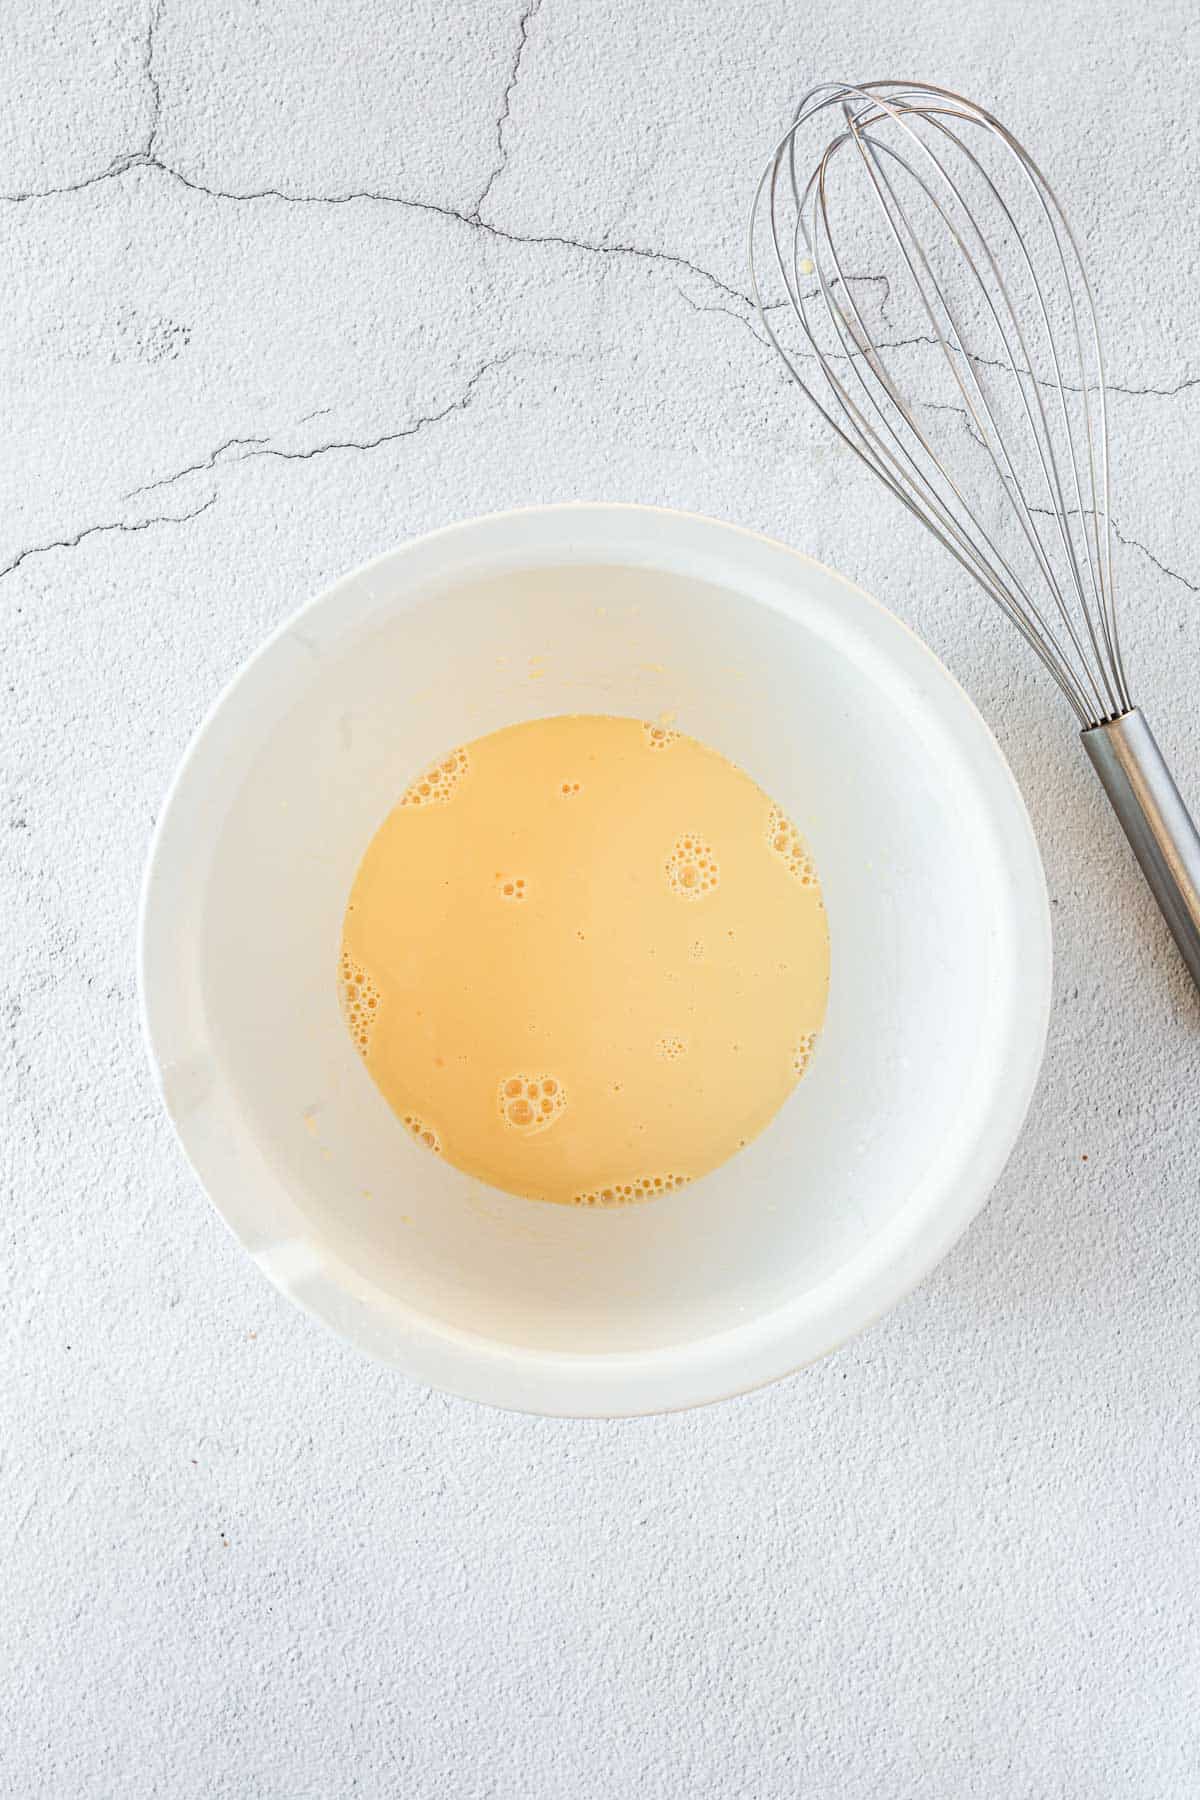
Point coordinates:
[(1155, 820)]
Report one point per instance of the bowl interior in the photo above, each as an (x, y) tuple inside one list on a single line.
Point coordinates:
[(932, 888)]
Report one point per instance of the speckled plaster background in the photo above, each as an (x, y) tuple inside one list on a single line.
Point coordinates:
[(285, 283)]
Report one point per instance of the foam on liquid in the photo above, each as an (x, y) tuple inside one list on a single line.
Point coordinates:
[(592, 1003)]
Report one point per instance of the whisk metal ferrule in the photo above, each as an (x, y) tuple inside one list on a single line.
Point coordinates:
[(1153, 816)]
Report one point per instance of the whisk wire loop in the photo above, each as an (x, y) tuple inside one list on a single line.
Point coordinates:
[(958, 359), (1055, 485)]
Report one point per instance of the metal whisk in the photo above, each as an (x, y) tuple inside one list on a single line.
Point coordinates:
[(983, 257)]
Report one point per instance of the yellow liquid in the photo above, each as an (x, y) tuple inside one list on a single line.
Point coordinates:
[(585, 959)]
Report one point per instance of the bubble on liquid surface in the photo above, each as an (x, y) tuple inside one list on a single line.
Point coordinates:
[(425, 1135), (802, 1054), (360, 1001), (511, 887), (633, 1191), (670, 1049), (436, 784), (569, 789), (786, 843), (531, 1103), (691, 868), (659, 737)]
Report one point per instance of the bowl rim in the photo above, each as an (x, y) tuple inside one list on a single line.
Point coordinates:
[(777, 1342)]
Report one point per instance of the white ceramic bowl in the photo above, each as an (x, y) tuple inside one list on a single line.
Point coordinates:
[(940, 959)]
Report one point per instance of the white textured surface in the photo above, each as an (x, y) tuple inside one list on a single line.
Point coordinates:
[(285, 284)]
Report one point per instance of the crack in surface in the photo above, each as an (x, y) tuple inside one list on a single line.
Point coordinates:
[(154, 14), (959, 412), (252, 447), (118, 166), (1193, 587), (459, 403), (716, 307), (587, 246), (69, 543), (501, 163), (1130, 543), (748, 322), (208, 462), (927, 340), (138, 159)]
